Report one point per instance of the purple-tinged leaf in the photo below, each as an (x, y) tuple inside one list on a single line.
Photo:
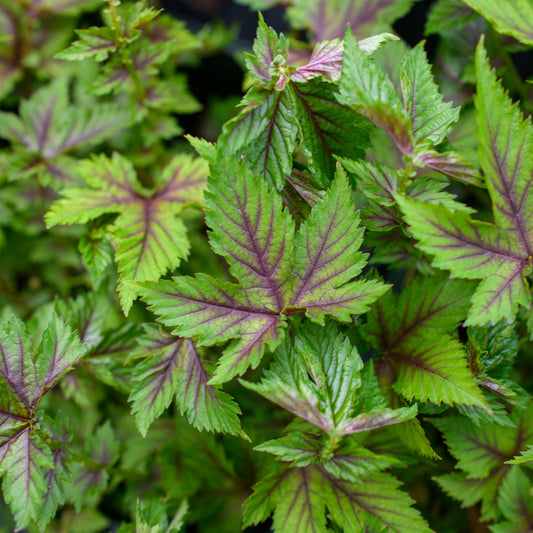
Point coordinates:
[(22, 468), (505, 154), (451, 164), (412, 332), (56, 480), (266, 135), (369, 91), (256, 238), (48, 127), (29, 375), (327, 259), (326, 60), (327, 19), (216, 312), (148, 236), (328, 129), (469, 491), (88, 483), (510, 18), (377, 419), (329, 398), (515, 503), (375, 499), (474, 250), (96, 43), (254, 311), (173, 368)]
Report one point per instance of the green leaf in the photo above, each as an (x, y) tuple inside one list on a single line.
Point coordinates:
[(148, 236), (265, 133), (513, 18), (90, 480), (48, 127), (374, 500), (299, 449), (469, 491), (447, 15), (504, 136), (432, 118), (94, 42), (525, 456), (515, 503), (412, 332), (329, 398), (327, 128), (473, 249), (244, 215), (173, 368), (369, 91)]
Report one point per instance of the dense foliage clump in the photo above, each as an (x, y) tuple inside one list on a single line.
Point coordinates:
[(317, 319)]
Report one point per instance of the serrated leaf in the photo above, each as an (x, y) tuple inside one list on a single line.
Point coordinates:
[(352, 462), (525, 457), (327, 19), (148, 236), (473, 249), (446, 15), (173, 368), (299, 449), (432, 118), (353, 505), (243, 214), (512, 18), (23, 470), (412, 332), (325, 60), (329, 398), (478, 450), (369, 91), (28, 374), (504, 137), (266, 135), (470, 491), (498, 254), (94, 42), (48, 127), (324, 239), (515, 503), (327, 128), (88, 482)]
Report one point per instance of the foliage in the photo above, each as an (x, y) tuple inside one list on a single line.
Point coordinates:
[(317, 319)]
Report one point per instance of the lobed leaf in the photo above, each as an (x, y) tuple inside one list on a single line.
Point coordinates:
[(254, 312), (173, 368), (149, 238)]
